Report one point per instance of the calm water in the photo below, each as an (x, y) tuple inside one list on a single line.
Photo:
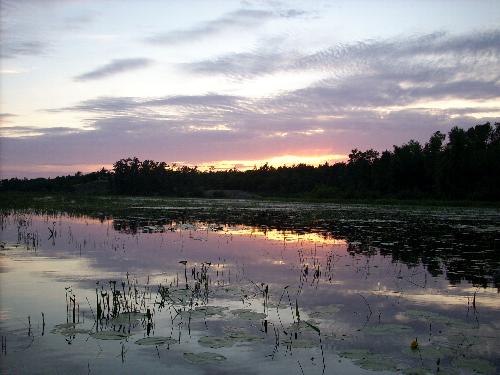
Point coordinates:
[(247, 288)]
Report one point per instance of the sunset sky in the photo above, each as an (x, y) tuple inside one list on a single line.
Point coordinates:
[(237, 83)]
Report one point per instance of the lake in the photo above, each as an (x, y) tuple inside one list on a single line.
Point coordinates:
[(191, 286)]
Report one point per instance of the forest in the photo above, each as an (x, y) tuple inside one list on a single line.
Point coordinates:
[(464, 164)]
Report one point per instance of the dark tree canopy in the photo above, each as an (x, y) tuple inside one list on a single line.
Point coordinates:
[(464, 165)]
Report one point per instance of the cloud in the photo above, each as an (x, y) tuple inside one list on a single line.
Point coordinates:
[(236, 20), (12, 47), (172, 140), (102, 104), (5, 117), (33, 131), (422, 54), (72, 23), (243, 65), (116, 66), (373, 94)]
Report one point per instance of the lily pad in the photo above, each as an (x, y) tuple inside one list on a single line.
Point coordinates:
[(69, 329), (377, 364), (247, 314), (216, 342), (428, 352), (201, 312), (109, 335), (127, 318), (416, 371), (231, 336), (210, 310), (355, 353), (240, 335), (477, 365), (302, 343), (204, 358), (303, 325), (370, 361), (157, 340), (462, 340), (433, 317), (325, 312), (10, 247), (386, 329)]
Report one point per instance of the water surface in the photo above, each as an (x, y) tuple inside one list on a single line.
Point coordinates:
[(253, 288)]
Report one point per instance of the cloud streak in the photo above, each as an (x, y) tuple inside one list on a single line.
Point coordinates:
[(114, 67), (433, 51), (13, 48), (237, 20)]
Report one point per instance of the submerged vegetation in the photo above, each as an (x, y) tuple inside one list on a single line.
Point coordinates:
[(463, 165)]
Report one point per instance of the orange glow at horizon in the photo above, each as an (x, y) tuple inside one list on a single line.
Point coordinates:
[(220, 165), (275, 161)]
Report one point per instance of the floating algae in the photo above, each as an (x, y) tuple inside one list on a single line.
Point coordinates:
[(158, 340), (247, 314), (204, 358), (109, 335)]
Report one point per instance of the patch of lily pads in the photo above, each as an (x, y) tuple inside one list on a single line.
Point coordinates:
[(204, 358)]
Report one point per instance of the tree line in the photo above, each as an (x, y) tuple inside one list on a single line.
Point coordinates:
[(465, 164)]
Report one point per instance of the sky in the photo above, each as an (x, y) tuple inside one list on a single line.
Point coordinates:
[(237, 83)]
